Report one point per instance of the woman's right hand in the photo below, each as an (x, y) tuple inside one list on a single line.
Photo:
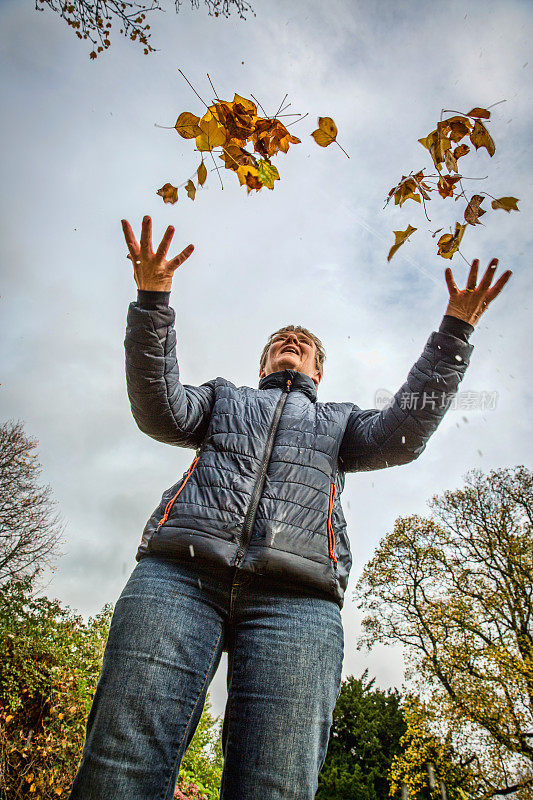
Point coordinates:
[(151, 270)]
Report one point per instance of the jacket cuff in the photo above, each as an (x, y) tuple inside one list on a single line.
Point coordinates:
[(152, 301), (454, 326)]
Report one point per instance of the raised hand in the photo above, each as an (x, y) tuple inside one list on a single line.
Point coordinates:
[(151, 270), (470, 303)]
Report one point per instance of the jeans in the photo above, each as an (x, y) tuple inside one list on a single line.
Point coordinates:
[(170, 626)]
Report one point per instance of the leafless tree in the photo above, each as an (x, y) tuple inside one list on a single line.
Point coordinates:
[(29, 530)]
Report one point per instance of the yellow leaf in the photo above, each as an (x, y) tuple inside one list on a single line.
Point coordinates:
[(480, 137), (202, 174), (9, 717), (190, 189), (249, 176), (212, 133), (187, 125), (33, 787), (326, 132), (400, 238), (246, 104), (506, 203), (60, 716), (448, 244), (58, 790)]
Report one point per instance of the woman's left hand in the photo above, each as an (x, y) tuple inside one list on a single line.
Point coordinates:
[(470, 303)]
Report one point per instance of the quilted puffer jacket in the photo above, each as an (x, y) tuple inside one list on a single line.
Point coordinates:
[(263, 491)]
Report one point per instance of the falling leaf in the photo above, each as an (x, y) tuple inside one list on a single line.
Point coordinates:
[(506, 203), (446, 184), (450, 161), (169, 193), (249, 177), (461, 150), (473, 210), (480, 137), (187, 125), (212, 133), (190, 189), (400, 238), (326, 132), (481, 113), (267, 173), (448, 244), (202, 174)]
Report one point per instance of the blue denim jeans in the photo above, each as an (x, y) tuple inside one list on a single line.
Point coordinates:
[(170, 626)]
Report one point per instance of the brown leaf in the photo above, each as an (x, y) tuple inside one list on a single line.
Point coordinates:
[(506, 204), (187, 125), (399, 238), (202, 174), (169, 193), (480, 137), (473, 210), (435, 232), (450, 161), (448, 244), (191, 189), (481, 113)]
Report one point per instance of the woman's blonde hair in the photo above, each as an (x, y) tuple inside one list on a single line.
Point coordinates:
[(320, 352)]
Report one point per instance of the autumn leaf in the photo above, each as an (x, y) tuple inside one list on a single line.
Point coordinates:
[(267, 173), (448, 244), (169, 193), (249, 177), (202, 174), (400, 238), (446, 184), (481, 113), (450, 161), (191, 189), (473, 210), (326, 133), (187, 125), (480, 137), (212, 133), (461, 150), (506, 204)]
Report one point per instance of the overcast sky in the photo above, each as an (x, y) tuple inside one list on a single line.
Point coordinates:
[(80, 151)]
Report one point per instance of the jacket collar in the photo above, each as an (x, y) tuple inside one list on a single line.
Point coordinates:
[(299, 381)]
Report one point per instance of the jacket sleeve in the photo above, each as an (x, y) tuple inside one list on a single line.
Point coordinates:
[(162, 406), (398, 434)]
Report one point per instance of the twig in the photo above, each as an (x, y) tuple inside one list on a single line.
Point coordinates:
[(192, 87)]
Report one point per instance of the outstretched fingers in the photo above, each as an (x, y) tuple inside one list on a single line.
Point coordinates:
[(146, 237), (452, 288), (488, 276), (131, 241), (179, 259), (165, 242), (498, 286)]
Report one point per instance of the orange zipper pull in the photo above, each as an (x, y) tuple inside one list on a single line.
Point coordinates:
[(171, 501)]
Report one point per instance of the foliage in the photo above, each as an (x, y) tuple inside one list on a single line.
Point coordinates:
[(201, 768), (231, 125), (86, 17), (456, 591), (443, 146), (365, 734), (420, 746), (51, 664), (29, 532)]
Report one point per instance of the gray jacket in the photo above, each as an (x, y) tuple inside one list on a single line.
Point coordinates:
[(263, 492)]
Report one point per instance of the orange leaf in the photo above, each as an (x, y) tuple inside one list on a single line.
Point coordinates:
[(169, 193), (446, 183), (481, 113)]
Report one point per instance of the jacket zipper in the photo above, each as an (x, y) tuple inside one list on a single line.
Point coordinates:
[(331, 533), (258, 488), (171, 501)]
